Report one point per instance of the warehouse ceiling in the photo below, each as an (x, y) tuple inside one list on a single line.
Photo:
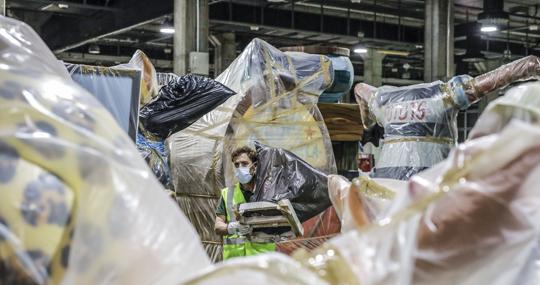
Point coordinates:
[(119, 27)]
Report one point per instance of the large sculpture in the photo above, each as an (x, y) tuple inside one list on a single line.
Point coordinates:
[(420, 121)]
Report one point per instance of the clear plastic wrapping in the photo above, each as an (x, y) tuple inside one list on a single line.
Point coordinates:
[(275, 104), (149, 84), (420, 123), (478, 222), (78, 205), (420, 120), (471, 221), (521, 102), (519, 70)]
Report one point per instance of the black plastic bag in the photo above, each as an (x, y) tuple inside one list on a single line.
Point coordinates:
[(283, 175), (181, 102)]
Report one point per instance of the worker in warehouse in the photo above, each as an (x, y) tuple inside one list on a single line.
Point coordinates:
[(236, 236)]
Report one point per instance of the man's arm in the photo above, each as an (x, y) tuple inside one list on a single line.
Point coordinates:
[(220, 227)]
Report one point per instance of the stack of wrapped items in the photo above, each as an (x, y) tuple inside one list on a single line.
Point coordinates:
[(78, 204), (275, 104)]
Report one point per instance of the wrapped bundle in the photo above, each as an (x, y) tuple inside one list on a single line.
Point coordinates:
[(473, 220), (365, 200), (283, 175), (78, 204), (180, 102), (420, 121), (275, 104)]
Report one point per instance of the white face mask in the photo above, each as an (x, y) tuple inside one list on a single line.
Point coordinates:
[(243, 174)]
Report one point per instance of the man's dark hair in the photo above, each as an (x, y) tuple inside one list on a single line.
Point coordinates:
[(247, 150)]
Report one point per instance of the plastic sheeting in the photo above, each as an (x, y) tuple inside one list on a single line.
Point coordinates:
[(475, 218), (521, 102), (472, 219), (78, 205), (180, 102), (420, 124), (365, 200), (149, 85), (283, 175), (275, 104), (157, 157)]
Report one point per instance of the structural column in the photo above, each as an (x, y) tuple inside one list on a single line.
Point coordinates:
[(439, 40), (228, 51), (3, 7), (191, 36), (373, 67)]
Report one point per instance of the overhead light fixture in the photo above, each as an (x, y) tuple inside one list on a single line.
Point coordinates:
[(166, 30), (254, 28), (55, 7), (167, 26), (360, 50), (489, 29), (94, 49), (533, 28), (394, 52)]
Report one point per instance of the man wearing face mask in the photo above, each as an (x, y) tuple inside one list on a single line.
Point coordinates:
[(236, 236)]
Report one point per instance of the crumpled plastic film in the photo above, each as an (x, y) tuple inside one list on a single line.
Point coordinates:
[(180, 102), (272, 268), (521, 102), (283, 175), (156, 156), (78, 205), (521, 69), (479, 215), (165, 78), (365, 200), (275, 104), (149, 83)]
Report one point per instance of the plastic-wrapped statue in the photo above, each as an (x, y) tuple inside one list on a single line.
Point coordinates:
[(420, 121), (275, 104)]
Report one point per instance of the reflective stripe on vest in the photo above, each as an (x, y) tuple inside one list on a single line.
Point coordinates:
[(228, 241), (230, 204)]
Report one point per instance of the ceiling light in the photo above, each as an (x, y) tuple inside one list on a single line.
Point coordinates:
[(94, 49), (254, 28), (533, 28), (167, 30), (360, 50), (62, 6), (488, 29)]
